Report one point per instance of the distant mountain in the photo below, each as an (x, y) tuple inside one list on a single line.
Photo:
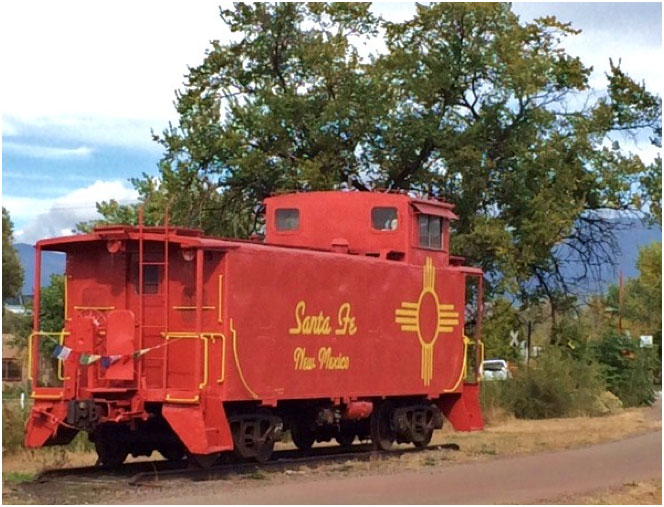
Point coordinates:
[(630, 239), (631, 236), (53, 263)]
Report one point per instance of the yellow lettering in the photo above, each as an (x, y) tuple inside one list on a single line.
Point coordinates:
[(299, 310), (310, 324), (346, 321), (328, 361), (302, 362)]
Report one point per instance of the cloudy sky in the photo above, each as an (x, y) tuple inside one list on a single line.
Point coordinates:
[(85, 82)]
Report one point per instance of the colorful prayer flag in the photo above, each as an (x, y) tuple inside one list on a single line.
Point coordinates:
[(87, 359), (107, 361), (139, 353), (61, 352)]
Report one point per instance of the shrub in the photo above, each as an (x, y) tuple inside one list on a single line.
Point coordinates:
[(627, 369), (13, 430), (494, 407), (13, 423), (556, 385)]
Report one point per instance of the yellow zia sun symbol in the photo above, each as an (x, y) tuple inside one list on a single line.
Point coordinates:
[(409, 316)]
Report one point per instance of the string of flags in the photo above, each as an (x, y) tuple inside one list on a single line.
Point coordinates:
[(63, 352)]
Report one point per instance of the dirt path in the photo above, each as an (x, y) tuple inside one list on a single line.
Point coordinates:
[(504, 480), (508, 456)]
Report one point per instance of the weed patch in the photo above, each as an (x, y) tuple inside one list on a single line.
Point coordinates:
[(17, 477)]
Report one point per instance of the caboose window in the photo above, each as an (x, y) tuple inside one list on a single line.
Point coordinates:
[(11, 370), (430, 231), (288, 219), (150, 279), (384, 219)]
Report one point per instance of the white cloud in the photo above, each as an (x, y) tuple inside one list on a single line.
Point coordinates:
[(81, 58), (37, 151), (46, 218), (87, 129), (8, 128), (24, 208), (90, 73)]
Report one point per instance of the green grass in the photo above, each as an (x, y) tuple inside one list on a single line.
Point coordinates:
[(17, 477), (257, 475), (429, 461), (488, 450)]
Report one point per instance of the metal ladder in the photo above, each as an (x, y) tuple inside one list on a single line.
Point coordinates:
[(141, 293)]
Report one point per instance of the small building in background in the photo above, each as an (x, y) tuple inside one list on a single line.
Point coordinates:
[(14, 364)]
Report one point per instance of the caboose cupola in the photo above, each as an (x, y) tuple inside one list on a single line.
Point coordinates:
[(385, 225)]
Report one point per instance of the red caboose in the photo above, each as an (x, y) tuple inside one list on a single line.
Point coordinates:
[(348, 321)]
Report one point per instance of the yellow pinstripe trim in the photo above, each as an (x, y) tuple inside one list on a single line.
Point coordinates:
[(237, 363), (464, 365)]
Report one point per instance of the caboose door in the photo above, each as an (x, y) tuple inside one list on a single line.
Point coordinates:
[(195, 297), (120, 339)]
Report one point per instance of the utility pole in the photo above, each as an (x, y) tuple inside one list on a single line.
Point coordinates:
[(620, 301), (530, 332)]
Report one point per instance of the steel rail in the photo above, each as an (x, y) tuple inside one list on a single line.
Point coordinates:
[(148, 472)]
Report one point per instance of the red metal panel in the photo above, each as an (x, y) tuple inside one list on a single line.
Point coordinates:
[(326, 325), (120, 340)]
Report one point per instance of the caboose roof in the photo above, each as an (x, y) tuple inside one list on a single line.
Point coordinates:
[(185, 237), (339, 198)]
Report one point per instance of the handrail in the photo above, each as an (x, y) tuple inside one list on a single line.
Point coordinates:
[(478, 376), (39, 396), (98, 308), (204, 337), (66, 298), (191, 307), (205, 363), (60, 334), (61, 363), (464, 365), (170, 399), (220, 298), (212, 336)]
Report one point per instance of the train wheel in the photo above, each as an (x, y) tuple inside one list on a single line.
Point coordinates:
[(382, 434), (345, 439), (110, 454), (264, 450), (254, 435), (424, 440), (172, 452), (303, 435), (202, 460)]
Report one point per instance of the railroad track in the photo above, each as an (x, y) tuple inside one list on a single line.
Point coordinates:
[(143, 473)]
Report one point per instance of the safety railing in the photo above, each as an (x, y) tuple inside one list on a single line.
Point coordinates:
[(464, 367), (222, 337), (204, 381), (33, 369)]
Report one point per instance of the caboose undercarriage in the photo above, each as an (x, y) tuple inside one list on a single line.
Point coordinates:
[(254, 429)]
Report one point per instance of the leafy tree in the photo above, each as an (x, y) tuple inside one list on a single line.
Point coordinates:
[(12, 271), (642, 296), (467, 103), (501, 318), (51, 316), (52, 310), (627, 369)]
